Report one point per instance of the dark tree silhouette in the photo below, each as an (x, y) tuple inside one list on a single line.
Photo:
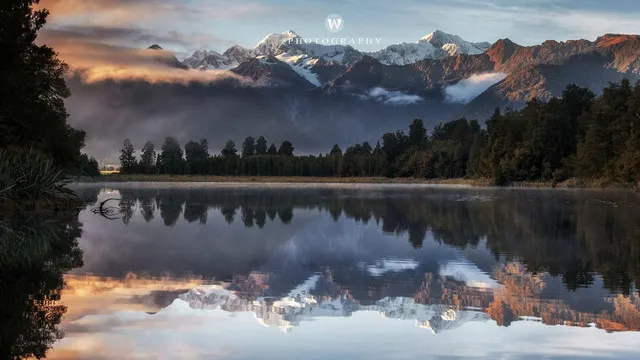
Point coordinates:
[(286, 148), (32, 111)]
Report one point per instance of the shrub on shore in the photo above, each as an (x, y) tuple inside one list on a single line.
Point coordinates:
[(31, 176)]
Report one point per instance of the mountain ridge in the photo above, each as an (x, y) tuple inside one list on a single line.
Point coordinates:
[(425, 70)]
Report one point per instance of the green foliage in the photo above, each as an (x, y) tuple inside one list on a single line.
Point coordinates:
[(32, 111), (576, 135), (29, 175)]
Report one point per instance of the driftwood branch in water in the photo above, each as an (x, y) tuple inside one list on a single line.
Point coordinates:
[(108, 212)]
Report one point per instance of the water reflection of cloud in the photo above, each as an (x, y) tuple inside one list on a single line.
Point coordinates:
[(466, 272)]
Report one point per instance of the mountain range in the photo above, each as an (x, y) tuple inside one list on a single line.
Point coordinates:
[(319, 95), (426, 68)]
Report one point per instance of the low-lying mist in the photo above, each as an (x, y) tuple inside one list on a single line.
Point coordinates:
[(110, 111)]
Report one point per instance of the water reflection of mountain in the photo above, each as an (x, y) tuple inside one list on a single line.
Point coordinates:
[(440, 304), (300, 304), (574, 235), (557, 257)]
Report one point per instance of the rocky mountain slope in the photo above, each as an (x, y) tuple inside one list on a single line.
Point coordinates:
[(428, 67)]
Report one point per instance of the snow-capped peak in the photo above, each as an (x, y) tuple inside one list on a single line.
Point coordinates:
[(453, 44), (302, 56), (270, 44), (440, 38)]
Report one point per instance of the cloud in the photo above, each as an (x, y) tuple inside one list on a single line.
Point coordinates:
[(115, 34), (468, 89), (103, 11), (114, 12), (97, 61), (390, 97)]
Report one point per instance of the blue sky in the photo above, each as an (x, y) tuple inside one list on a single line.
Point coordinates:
[(187, 25)]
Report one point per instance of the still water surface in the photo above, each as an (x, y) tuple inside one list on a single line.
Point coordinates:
[(205, 271)]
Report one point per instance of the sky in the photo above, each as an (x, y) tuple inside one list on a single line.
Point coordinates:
[(183, 26)]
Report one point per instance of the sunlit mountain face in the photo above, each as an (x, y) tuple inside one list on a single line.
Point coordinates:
[(236, 271)]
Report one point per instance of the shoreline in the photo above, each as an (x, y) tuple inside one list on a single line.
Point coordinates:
[(479, 183)]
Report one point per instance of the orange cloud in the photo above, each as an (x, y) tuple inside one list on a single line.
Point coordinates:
[(117, 12), (103, 11), (85, 295), (95, 62), (93, 295)]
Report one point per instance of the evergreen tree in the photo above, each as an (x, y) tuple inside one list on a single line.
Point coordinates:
[(273, 150), (128, 163), (148, 158), (249, 146), (170, 160), (261, 146), (335, 150), (417, 133), (229, 149), (286, 148), (196, 156)]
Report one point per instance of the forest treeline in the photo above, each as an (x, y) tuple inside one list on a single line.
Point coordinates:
[(574, 135)]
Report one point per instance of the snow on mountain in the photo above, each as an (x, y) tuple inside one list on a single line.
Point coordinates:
[(270, 45), (238, 54), (384, 266), (340, 54), (406, 53), (292, 49), (207, 60), (437, 45), (299, 305), (453, 44), (302, 65)]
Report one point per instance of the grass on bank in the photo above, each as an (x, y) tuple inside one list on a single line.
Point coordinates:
[(30, 177), (481, 182)]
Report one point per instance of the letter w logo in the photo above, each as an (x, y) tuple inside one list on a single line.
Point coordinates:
[(334, 24)]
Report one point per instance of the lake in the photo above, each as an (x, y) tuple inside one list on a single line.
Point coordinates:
[(233, 271)]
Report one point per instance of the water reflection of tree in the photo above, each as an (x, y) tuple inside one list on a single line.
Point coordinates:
[(567, 234), (170, 205), (35, 253), (147, 205)]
